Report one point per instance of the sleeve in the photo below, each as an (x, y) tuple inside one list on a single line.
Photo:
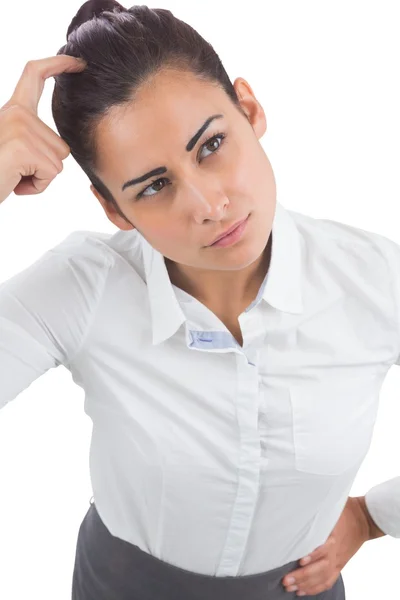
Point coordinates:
[(383, 500), (392, 253), (383, 504), (45, 313)]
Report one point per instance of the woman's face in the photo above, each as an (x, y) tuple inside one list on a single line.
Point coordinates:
[(206, 187)]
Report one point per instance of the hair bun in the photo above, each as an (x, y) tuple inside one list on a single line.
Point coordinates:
[(90, 9)]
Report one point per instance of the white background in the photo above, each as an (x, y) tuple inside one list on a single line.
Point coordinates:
[(326, 74)]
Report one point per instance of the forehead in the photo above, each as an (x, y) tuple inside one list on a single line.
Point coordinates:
[(168, 109)]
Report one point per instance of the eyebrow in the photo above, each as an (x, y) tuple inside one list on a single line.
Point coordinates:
[(189, 146)]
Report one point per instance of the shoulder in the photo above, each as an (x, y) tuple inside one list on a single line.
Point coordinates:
[(347, 245), (92, 253)]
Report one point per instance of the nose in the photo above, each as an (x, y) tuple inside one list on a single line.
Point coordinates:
[(205, 199)]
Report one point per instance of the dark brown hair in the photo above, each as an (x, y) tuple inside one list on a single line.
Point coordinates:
[(122, 48)]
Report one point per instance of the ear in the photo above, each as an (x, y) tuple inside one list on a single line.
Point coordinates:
[(111, 212), (250, 105)]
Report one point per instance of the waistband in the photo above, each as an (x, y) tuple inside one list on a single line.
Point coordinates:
[(109, 567)]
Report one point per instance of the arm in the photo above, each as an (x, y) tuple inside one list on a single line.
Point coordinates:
[(374, 530), (45, 312), (382, 508), (382, 502)]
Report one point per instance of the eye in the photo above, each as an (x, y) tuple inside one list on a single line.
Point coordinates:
[(215, 139)]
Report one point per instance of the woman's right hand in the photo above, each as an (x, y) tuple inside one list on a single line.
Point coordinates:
[(31, 153)]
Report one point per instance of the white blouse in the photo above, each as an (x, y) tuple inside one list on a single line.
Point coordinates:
[(220, 459)]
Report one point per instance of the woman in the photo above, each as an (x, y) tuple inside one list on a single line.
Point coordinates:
[(224, 410)]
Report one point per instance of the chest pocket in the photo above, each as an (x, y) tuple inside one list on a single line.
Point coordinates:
[(333, 423)]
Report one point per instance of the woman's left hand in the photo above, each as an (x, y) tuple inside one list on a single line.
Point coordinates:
[(327, 561)]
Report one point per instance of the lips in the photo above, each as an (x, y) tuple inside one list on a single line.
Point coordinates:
[(232, 228)]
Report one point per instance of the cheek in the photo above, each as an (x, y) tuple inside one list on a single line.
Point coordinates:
[(247, 171), (167, 235), (259, 180)]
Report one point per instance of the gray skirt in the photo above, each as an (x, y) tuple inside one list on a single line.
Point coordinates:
[(109, 568)]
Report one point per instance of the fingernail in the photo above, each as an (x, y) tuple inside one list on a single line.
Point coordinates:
[(306, 559), (301, 594), (290, 580)]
